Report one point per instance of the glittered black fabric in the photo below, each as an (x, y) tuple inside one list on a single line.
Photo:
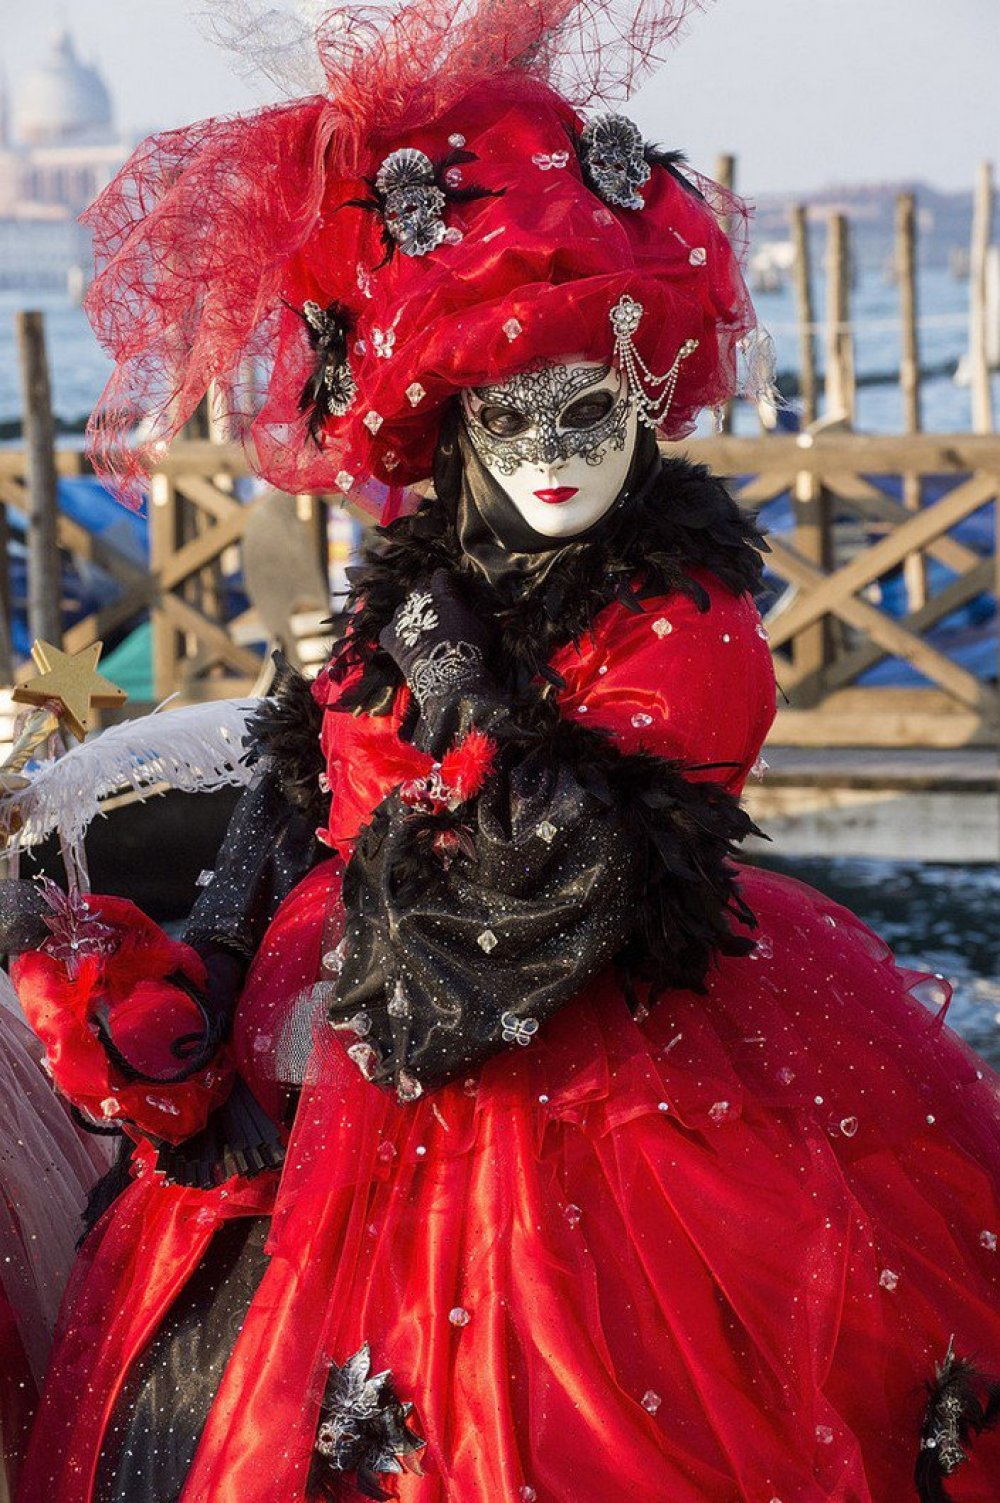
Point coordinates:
[(22, 916), (144, 1459), (481, 945), (573, 855), (269, 847)]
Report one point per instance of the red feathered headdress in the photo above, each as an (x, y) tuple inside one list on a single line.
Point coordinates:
[(339, 267)]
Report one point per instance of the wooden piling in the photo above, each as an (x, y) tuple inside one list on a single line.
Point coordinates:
[(806, 315), (6, 605), (979, 368), (725, 176), (840, 389), (44, 570), (906, 271), (914, 572)]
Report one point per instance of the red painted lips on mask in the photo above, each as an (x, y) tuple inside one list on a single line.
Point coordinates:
[(558, 494)]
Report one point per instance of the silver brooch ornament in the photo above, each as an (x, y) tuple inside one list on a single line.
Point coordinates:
[(331, 388), (363, 1425), (412, 203), (613, 159)]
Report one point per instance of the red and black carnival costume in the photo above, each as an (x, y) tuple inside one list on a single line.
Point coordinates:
[(495, 1135)]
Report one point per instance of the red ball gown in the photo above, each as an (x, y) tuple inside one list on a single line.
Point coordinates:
[(689, 1246)]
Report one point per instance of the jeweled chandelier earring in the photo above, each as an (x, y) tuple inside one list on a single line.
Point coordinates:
[(653, 395)]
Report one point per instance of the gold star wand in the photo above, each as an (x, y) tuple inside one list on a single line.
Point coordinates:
[(65, 690)]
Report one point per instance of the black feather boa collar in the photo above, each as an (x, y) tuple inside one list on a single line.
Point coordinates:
[(686, 520)]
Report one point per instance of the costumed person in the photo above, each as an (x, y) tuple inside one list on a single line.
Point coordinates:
[(497, 1137)]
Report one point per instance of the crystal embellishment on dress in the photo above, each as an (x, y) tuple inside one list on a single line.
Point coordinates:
[(204, 879), (487, 941), (719, 1111), (888, 1279), (518, 1030), (365, 1058), (384, 343), (373, 421), (363, 1424), (457, 140), (662, 627), (849, 1126), (988, 1240), (415, 393), (651, 1401), (547, 831), (641, 720), (412, 203), (526, 1494), (408, 1088), (333, 960), (512, 329), (459, 1316), (613, 159), (572, 1215), (398, 1005), (698, 255), (824, 1435), (417, 617), (344, 480)]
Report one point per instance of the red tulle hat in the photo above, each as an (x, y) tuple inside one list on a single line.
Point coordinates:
[(338, 268)]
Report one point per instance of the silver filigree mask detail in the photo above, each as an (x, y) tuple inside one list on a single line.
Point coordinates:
[(412, 203), (558, 438), (613, 158), (538, 417)]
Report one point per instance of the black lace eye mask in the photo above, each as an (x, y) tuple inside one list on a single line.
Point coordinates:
[(547, 413)]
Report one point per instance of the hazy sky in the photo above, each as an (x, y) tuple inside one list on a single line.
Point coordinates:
[(806, 92)]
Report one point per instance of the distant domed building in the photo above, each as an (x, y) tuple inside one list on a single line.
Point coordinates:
[(63, 102), (59, 147)]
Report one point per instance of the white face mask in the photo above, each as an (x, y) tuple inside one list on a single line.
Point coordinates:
[(559, 439)]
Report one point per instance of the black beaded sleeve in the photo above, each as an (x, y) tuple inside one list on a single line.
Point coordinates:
[(466, 931)]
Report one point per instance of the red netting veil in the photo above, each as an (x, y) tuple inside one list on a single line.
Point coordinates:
[(335, 268)]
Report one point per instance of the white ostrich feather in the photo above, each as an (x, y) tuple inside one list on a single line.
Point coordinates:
[(196, 749)]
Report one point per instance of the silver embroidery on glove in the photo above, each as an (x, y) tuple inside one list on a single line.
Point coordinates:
[(449, 667), (416, 618)]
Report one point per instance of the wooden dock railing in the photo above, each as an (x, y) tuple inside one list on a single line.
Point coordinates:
[(830, 629), (826, 632)]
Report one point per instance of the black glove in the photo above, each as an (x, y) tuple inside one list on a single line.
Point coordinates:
[(441, 648)]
